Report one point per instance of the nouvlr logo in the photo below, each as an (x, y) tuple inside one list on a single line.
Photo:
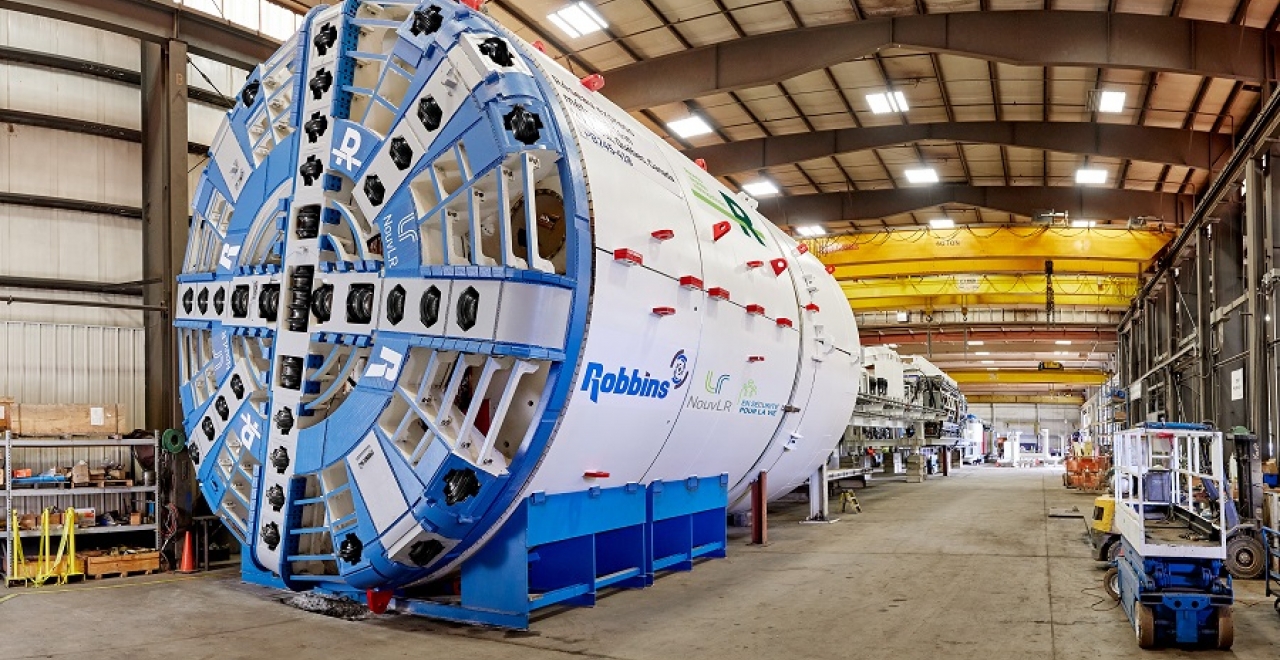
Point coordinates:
[(597, 381)]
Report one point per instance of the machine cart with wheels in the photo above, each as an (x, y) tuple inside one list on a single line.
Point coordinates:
[(1169, 574), (1271, 541)]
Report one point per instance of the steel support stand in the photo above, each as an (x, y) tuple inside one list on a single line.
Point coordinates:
[(165, 218), (819, 504), (760, 510)]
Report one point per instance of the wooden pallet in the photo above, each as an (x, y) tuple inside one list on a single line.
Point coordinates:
[(105, 483), (144, 563)]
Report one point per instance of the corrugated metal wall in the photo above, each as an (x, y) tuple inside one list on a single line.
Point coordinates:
[(62, 363), (63, 354)]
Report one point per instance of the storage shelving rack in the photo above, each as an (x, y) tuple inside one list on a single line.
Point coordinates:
[(138, 494)]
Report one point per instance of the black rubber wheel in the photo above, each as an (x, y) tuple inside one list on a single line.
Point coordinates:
[(1113, 551), (1145, 626), (1111, 583), (1226, 628), (1246, 558)]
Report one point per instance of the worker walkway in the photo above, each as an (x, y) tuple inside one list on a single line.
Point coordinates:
[(968, 566)]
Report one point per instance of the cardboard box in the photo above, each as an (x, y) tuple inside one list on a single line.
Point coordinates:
[(1269, 467), (6, 412), (68, 419), (135, 518), (80, 473)]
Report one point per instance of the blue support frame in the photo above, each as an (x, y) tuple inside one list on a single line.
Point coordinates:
[(562, 549)]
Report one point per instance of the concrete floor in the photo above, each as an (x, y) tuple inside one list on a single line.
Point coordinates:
[(968, 566)]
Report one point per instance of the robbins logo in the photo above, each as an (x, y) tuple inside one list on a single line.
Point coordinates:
[(713, 384), (596, 380)]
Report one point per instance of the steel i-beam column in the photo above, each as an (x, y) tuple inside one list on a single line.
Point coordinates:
[(164, 217), (1204, 307), (1258, 186)]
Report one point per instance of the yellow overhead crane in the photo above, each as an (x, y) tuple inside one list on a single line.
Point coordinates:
[(937, 291), (979, 250), (1028, 376), (973, 267)]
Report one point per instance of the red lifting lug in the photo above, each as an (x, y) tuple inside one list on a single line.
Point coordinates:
[(779, 265), (664, 311), (593, 82), (628, 257), (812, 307), (664, 234), (474, 4), (718, 292), (541, 47), (720, 229), (802, 248), (595, 474), (785, 323), (701, 162), (754, 264), (755, 358), (755, 309), (690, 282), (831, 270), (378, 599)]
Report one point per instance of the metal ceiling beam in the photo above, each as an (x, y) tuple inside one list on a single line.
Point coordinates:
[(1156, 145), (102, 71), (1028, 38), (992, 337), (159, 21), (1047, 376), (85, 127), (61, 204), (1003, 318), (1036, 399), (80, 286), (1078, 202)]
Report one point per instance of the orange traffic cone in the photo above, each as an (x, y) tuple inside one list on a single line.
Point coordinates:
[(188, 563)]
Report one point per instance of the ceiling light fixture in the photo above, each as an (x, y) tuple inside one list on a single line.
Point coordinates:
[(988, 361), (810, 231), (1063, 342), (1084, 224), (981, 353), (976, 342), (1111, 101), (578, 19), (1088, 175), (922, 175), (942, 223), (761, 188), (691, 126), (886, 102)]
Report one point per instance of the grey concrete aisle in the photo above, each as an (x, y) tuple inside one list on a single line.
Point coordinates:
[(967, 566)]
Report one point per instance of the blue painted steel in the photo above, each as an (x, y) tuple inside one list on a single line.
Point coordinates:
[(563, 549), (1185, 595)]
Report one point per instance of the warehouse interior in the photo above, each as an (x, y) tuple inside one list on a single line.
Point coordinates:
[(767, 326)]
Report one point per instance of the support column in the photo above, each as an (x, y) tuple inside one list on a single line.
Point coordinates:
[(1255, 222), (1204, 308), (165, 218)]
